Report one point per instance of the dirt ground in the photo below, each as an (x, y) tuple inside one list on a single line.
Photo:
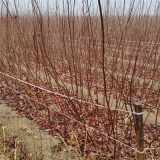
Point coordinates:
[(38, 143), (41, 145), (82, 91)]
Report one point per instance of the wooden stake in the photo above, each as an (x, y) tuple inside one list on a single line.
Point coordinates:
[(139, 130)]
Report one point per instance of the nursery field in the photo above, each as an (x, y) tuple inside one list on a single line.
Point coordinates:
[(76, 79)]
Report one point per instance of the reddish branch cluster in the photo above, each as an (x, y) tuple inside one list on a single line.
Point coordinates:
[(109, 122)]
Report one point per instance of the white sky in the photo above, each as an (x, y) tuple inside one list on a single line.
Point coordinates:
[(26, 4)]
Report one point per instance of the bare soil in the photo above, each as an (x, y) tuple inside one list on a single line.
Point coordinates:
[(39, 144)]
